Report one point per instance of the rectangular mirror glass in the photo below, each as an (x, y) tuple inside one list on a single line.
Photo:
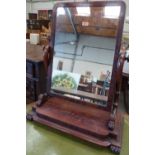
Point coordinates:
[(84, 49)]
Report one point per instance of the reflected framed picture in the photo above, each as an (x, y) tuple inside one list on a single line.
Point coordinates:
[(65, 79)]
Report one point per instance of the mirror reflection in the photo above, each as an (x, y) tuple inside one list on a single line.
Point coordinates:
[(85, 39)]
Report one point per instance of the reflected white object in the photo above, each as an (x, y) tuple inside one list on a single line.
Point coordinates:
[(112, 11), (83, 11), (60, 11), (72, 96), (95, 79), (34, 38), (127, 19)]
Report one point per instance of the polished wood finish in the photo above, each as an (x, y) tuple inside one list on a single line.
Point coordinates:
[(118, 78), (73, 118), (112, 89), (90, 122), (47, 55)]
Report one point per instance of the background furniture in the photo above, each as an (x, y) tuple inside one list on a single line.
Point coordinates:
[(35, 71), (44, 14), (33, 16), (36, 24)]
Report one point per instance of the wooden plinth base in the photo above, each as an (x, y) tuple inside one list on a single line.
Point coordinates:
[(80, 120)]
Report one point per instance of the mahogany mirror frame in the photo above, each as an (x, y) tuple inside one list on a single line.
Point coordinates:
[(98, 125), (112, 89)]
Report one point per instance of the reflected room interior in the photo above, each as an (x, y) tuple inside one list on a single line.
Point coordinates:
[(85, 40)]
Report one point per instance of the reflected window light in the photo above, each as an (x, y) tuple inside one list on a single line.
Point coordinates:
[(60, 11), (112, 11), (83, 11)]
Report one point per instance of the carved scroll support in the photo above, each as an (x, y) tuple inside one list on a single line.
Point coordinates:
[(111, 123), (42, 98), (47, 56)]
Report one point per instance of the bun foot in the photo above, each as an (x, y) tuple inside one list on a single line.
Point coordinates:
[(115, 149), (29, 117)]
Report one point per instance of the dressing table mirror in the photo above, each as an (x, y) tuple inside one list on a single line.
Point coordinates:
[(84, 67)]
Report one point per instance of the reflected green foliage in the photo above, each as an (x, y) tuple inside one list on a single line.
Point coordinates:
[(64, 80)]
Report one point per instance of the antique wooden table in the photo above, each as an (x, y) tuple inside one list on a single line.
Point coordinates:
[(41, 140)]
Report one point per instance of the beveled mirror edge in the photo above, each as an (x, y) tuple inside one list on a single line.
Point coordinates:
[(112, 89)]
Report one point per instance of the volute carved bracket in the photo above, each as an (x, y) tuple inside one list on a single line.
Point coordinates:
[(121, 59), (42, 98)]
